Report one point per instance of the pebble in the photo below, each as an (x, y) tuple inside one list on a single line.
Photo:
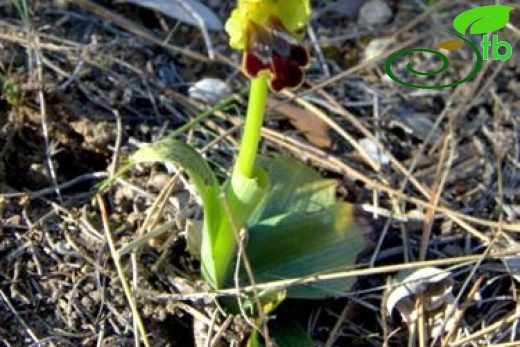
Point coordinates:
[(209, 90), (374, 13), (373, 151)]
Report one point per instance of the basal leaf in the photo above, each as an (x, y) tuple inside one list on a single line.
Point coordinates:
[(291, 334), (224, 209), (302, 244), (242, 196), (254, 340), (174, 151), (485, 19), (295, 187)]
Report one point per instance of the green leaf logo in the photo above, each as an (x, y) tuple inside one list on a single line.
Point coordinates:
[(482, 19), (451, 45)]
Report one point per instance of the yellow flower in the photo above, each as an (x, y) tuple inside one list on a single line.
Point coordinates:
[(268, 31), (292, 14)]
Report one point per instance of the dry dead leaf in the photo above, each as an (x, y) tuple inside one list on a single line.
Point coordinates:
[(310, 125), (432, 288)]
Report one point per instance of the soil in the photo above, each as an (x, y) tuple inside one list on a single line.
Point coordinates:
[(82, 90)]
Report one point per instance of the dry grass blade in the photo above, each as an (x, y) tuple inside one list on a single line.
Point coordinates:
[(349, 138), (26, 326), (460, 312), (337, 165), (440, 181), (317, 278), (134, 28), (121, 272), (96, 79)]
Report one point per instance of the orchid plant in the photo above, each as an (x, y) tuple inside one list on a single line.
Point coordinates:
[(292, 223)]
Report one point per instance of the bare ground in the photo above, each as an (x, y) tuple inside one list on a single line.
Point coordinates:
[(81, 90)]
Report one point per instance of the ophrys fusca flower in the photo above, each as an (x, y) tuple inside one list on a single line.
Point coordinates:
[(269, 32)]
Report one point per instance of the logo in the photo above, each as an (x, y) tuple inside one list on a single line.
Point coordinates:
[(479, 20)]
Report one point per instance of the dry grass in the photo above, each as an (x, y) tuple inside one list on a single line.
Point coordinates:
[(96, 82)]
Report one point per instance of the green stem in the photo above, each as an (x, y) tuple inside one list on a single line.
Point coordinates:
[(253, 126)]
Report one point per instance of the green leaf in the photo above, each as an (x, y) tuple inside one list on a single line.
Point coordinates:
[(224, 210), (485, 19), (242, 196), (295, 187), (254, 340), (291, 334), (173, 151), (303, 244)]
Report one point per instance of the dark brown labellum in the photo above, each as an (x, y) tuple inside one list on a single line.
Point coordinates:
[(287, 73), (252, 65), (272, 48)]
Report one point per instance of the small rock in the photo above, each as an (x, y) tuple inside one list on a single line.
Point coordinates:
[(209, 90), (374, 13), (373, 151), (158, 181)]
